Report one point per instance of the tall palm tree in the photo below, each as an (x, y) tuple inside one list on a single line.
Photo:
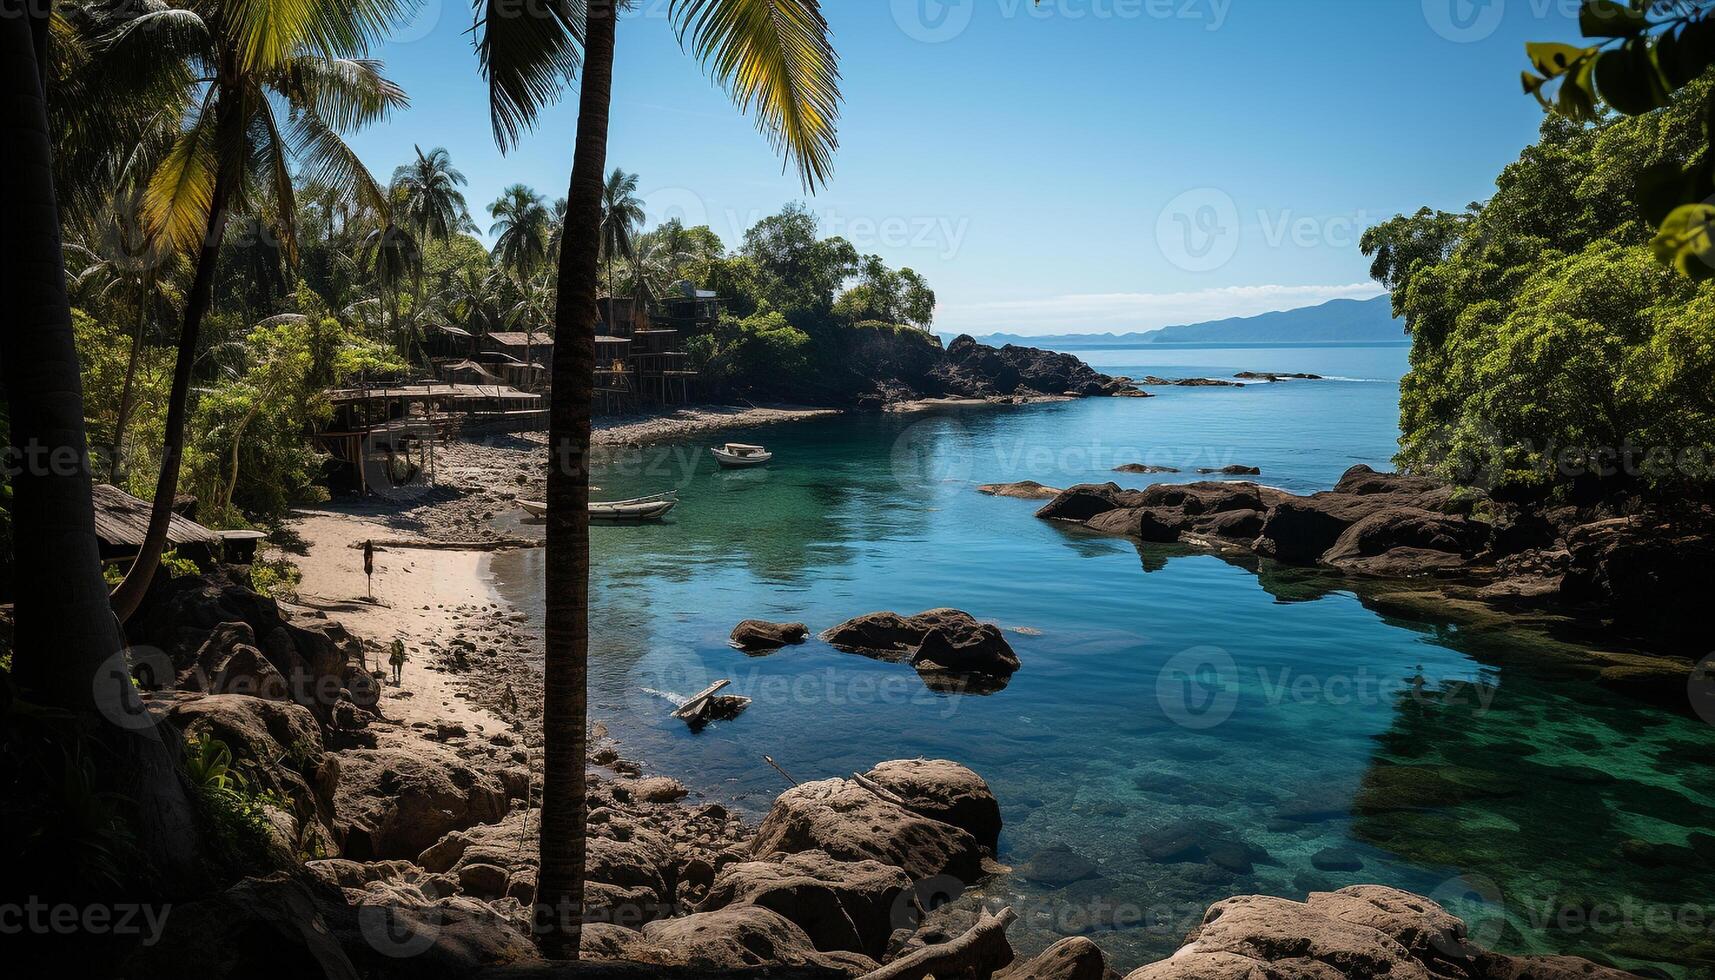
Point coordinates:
[(621, 214), (432, 207), (522, 227), (774, 57), (391, 254), (65, 637), (281, 85)]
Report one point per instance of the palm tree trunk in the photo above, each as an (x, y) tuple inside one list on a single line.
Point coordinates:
[(118, 471), (66, 637), (129, 595), (565, 690)]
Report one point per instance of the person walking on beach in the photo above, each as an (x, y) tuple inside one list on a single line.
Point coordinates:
[(397, 658)]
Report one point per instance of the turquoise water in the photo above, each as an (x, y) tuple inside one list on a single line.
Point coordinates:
[(1271, 722)]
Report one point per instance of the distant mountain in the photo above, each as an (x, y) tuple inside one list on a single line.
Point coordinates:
[(1340, 321)]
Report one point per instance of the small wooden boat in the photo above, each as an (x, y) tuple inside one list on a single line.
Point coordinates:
[(648, 508), (737, 455)]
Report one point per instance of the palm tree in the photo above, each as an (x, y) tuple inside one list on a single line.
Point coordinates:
[(653, 262), (773, 56), (278, 90), (126, 268), (621, 213), (522, 227), (65, 636), (432, 207), (390, 254)]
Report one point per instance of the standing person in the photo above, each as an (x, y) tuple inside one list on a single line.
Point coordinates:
[(397, 658)]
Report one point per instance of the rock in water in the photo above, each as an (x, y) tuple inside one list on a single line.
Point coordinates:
[(1072, 958), (758, 635), (1022, 490), (950, 639)]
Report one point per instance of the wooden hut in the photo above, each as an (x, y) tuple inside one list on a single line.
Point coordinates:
[(122, 522)]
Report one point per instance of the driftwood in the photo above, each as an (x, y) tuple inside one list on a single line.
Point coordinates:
[(976, 955), (881, 791), (694, 706)]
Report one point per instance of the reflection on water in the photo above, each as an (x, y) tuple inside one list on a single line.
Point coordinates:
[(1190, 726)]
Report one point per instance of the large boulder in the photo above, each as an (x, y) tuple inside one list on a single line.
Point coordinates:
[(851, 823), (946, 791), (1021, 490), (1087, 500), (278, 745), (947, 638), (1649, 573), (840, 905), (1299, 531), (394, 801), (1404, 541), (738, 938), (1361, 931), (1072, 958)]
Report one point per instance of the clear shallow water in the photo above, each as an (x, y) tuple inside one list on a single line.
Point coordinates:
[(1276, 714)]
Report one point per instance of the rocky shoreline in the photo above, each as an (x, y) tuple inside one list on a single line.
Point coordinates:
[(1618, 569)]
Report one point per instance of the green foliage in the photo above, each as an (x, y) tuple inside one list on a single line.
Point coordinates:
[(234, 812), (1548, 342), (757, 352), (797, 272), (1643, 54), (277, 577)]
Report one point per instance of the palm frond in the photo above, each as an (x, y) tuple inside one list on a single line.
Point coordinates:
[(774, 57), (527, 55), (160, 36), (181, 191), (326, 158), (348, 93), (269, 34)]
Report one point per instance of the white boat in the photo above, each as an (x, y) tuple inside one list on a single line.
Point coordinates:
[(737, 455), (636, 509)]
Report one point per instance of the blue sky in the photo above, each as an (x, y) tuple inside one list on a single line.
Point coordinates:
[(1088, 165)]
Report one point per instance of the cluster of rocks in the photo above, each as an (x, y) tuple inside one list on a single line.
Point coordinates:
[(1641, 572), (950, 649)]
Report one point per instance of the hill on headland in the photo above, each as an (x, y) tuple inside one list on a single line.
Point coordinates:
[(1340, 321)]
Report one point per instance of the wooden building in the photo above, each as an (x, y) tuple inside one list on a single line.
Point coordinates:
[(122, 522)]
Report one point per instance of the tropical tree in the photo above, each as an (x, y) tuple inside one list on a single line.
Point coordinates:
[(428, 202), (774, 57), (1640, 55), (391, 254), (280, 86), (127, 269), (621, 214), (522, 227)]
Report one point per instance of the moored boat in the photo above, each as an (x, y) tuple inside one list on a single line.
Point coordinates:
[(737, 455), (647, 508)]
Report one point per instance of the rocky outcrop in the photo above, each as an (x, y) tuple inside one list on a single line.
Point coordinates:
[(737, 938), (841, 905), (761, 636), (946, 791), (221, 637), (937, 640), (394, 801), (1022, 490), (278, 745), (1143, 468), (1362, 931), (1072, 958), (973, 370), (850, 822)]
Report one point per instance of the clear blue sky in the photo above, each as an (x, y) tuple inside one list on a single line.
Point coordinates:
[(1098, 165)]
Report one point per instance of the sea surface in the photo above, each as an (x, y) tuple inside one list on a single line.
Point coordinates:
[(1187, 727)]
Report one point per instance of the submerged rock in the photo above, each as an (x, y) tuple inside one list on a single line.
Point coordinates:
[(1144, 468), (1234, 470)]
